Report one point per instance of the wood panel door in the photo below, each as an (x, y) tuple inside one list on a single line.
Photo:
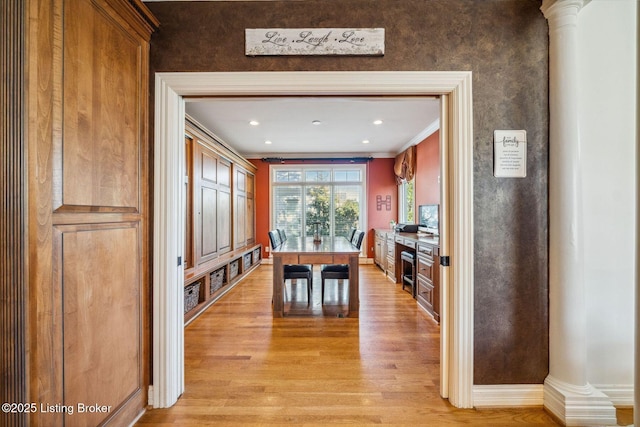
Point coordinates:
[(240, 207), (88, 215), (250, 231), (212, 203), (206, 203), (224, 206)]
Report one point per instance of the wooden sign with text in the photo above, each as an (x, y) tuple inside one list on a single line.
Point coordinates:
[(314, 41)]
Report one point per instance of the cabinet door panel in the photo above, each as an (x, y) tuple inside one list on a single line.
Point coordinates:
[(209, 171), (250, 230), (241, 183), (100, 281), (101, 115), (224, 221), (241, 212), (208, 215), (424, 294), (224, 173)]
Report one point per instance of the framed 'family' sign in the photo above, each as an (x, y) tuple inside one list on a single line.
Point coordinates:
[(314, 41), (510, 153)]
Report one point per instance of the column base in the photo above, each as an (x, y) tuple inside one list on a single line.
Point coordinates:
[(578, 405)]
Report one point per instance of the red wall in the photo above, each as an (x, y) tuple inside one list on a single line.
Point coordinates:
[(380, 182), (428, 170), (262, 204)]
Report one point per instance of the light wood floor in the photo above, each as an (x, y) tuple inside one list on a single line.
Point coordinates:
[(243, 367)]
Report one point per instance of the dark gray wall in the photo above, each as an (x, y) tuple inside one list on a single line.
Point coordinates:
[(505, 44)]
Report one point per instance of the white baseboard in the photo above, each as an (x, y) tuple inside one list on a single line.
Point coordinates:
[(621, 395), (578, 405), (593, 406), (508, 395)]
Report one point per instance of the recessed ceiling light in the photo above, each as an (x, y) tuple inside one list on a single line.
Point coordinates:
[(377, 122), (254, 123), (267, 142), (316, 122), (366, 141)]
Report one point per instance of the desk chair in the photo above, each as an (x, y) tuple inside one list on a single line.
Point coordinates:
[(293, 271), (340, 271)]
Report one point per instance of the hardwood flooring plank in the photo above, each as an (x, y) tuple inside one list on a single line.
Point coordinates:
[(312, 368)]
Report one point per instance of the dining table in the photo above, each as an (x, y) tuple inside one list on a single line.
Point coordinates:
[(304, 250)]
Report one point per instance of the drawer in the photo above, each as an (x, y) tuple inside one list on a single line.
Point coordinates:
[(391, 251), (399, 239), (410, 243), (424, 294), (425, 250), (425, 268)]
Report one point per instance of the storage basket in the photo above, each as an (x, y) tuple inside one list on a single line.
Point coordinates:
[(247, 261), (256, 255), (218, 279), (233, 268), (191, 296)]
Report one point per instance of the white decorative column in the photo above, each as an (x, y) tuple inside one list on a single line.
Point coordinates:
[(567, 392)]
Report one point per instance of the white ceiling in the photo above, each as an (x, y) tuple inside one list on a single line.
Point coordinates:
[(345, 123)]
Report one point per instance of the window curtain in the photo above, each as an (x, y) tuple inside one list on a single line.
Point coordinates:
[(405, 165)]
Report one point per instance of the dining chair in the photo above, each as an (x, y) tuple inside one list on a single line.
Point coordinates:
[(274, 238), (351, 233), (340, 271), (293, 271)]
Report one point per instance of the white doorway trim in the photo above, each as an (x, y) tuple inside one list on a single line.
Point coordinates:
[(457, 285)]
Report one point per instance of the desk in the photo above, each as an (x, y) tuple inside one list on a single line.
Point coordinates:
[(303, 250), (389, 245)]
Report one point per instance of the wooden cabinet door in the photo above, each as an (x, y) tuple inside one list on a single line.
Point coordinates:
[(377, 254), (250, 231), (88, 215), (212, 201), (224, 206), (206, 203), (240, 207)]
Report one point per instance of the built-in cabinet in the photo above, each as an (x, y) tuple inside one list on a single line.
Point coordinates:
[(380, 250), (245, 211), (388, 246), (87, 175), (428, 278), (211, 203), (220, 245)]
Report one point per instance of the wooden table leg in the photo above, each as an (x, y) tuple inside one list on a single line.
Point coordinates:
[(354, 287), (278, 278)]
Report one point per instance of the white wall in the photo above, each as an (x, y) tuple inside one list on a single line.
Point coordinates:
[(607, 53)]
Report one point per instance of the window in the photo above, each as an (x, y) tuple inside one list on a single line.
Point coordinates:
[(406, 200), (303, 195)]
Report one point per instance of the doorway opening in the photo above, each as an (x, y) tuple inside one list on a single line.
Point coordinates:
[(456, 159)]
